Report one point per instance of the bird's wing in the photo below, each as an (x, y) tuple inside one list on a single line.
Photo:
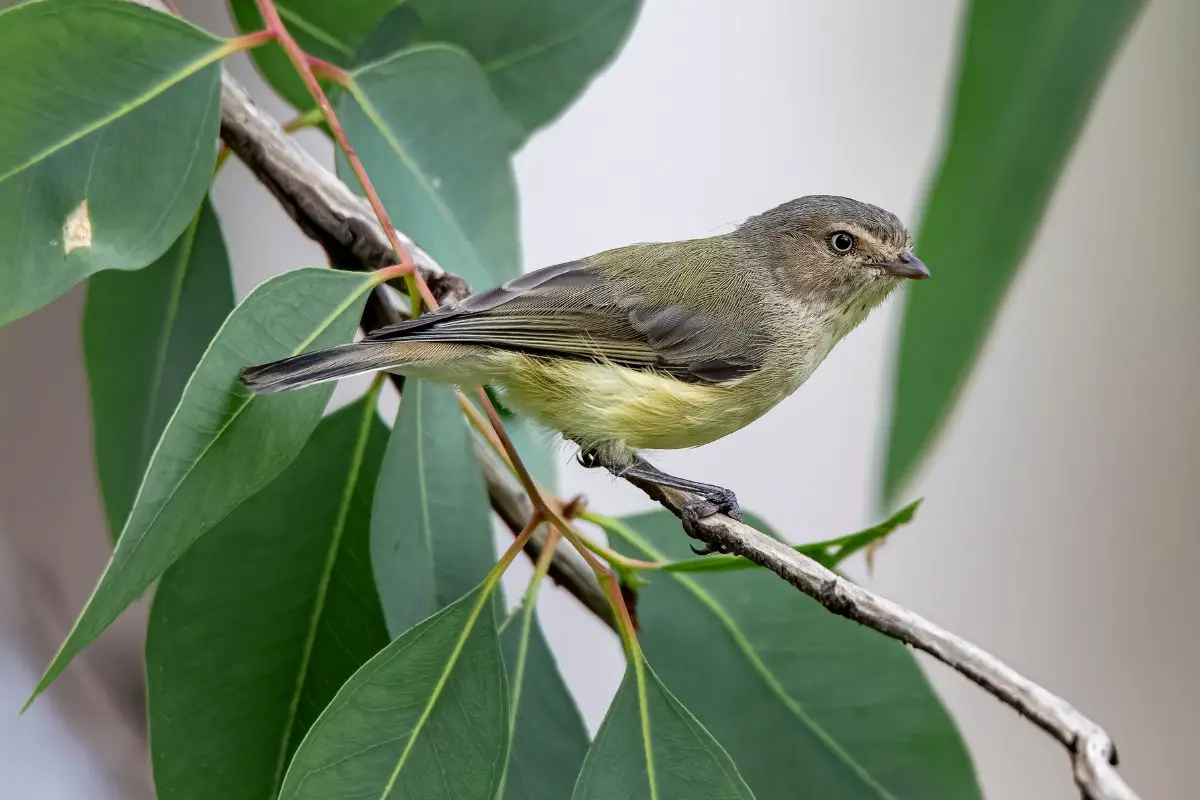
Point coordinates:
[(573, 310)]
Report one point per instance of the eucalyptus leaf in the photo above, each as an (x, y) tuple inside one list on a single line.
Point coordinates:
[(808, 704), (143, 334), (650, 747), (332, 31), (549, 740), (1028, 74), (427, 717), (431, 528), (222, 444), (538, 54), (86, 84), (255, 628), (436, 144)]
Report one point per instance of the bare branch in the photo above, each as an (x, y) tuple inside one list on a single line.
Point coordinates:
[(343, 224), (1093, 754)]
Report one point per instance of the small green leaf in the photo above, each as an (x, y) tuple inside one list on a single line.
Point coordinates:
[(650, 747), (431, 528), (807, 703), (828, 553), (436, 143), (86, 84), (255, 628), (222, 444), (425, 718), (143, 334), (549, 740), (1027, 78), (332, 31), (538, 54)]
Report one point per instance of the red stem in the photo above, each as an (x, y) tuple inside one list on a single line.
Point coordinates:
[(327, 70), (303, 64), (300, 60)]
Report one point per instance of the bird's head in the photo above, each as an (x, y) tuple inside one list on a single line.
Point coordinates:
[(834, 249)]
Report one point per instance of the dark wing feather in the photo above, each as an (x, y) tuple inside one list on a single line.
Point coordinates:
[(573, 310)]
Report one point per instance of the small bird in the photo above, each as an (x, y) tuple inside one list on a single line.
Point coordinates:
[(652, 346)]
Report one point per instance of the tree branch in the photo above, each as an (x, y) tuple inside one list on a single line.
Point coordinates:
[(1093, 754), (342, 223)]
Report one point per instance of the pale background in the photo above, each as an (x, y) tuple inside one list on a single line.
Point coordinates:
[(1060, 529)]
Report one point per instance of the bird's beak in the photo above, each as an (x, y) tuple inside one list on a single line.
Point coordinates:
[(906, 265)]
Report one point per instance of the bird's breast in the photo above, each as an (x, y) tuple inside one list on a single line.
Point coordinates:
[(594, 403)]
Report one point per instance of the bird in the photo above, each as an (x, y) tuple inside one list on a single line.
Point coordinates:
[(651, 346)]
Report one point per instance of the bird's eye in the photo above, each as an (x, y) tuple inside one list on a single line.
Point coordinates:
[(841, 242)]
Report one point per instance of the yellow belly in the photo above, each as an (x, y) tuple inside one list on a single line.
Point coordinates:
[(596, 404)]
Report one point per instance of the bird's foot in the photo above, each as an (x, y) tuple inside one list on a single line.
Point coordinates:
[(718, 500), (588, 459)]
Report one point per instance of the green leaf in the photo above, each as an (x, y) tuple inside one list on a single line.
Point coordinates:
[(1027, 77), (86, 85), (828, 553), (436, 144), (549, 740), (143, 334), (427, 717), (255, 628), (803, 700), (222, 444), (331, 31), (431, 528), (538, 54), (650, 746)]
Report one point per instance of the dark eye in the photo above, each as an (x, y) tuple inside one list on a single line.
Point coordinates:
[(841, 242)]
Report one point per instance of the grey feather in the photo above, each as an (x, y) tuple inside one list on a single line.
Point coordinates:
[(575, 310)]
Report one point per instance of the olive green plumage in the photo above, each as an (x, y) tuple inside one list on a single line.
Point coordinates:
[(651, 346)]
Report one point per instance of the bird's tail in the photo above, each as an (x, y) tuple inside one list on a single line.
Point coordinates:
[(330, 364)]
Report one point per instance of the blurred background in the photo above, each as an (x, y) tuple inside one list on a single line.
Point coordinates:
[(1059, 529)]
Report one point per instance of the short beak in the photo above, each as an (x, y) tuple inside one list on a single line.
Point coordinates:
[(906, 265)]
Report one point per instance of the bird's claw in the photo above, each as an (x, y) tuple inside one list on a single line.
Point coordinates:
[(588, 459), (718, 501)]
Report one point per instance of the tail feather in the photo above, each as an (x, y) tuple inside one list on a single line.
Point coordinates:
[(330, 364)]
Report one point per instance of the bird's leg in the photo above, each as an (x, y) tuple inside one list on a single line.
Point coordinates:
[(709, 499)]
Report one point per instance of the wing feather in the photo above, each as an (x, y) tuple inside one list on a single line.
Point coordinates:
[(574, 310)]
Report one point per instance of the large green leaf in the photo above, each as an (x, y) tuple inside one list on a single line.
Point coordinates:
[(143, 334), (538, 54), (107, 141), (425, 718), (1027, 78), (333, 31), (436, 144), (549, 740), (431, 528), (650, 747), (256, 627), (431, 543), (222, 444), (808, 704)]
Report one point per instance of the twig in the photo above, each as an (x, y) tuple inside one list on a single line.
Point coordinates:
[(1093, 754), (328, 212)]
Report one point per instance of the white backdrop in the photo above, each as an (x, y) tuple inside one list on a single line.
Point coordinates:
[(1060, 526)]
